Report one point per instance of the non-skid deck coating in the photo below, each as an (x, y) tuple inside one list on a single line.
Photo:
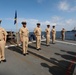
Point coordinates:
[(56, 59)]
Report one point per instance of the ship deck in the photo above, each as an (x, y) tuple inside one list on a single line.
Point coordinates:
[(56, 59)]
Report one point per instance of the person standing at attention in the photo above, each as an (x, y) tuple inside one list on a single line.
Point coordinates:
[(63, 34), (37, 32), (24, 33), (53, 34), (3, 37), (47, 30)]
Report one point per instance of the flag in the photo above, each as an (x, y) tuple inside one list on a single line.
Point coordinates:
[(15, 19)]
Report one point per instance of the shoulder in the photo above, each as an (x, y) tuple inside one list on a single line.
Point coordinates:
[(21, 28), (3, 29), (46, 29), (36, 28), (52, 29), (26, 28)]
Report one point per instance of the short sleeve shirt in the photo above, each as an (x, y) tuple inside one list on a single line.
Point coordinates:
[(2, 33), (37, 31), (24, 32), (47, 31)]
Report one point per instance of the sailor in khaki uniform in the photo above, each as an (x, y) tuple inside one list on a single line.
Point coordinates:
[(37, 32), (3, 36), (47, 35), (24, 33), (53, 34), (63, 34)]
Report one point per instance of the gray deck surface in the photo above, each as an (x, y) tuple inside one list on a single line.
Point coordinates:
[(52, 60)]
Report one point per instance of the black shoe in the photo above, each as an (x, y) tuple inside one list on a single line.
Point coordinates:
[(47, 45), (53, 43), (27, 53), (4, 60), (24, 54), (38, 49), (0, 61)]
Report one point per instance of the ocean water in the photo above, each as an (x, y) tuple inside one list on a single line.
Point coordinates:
[(69, 35)]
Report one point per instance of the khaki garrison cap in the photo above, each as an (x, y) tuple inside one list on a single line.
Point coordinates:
[(38, 23), (24, 22)]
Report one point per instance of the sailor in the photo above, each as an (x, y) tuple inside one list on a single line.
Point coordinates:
[(47, 30), (37, 32), (3, 37), (63, 34), (53, 31), (24, 33)]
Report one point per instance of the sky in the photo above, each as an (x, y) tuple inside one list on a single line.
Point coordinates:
[(61, 13)]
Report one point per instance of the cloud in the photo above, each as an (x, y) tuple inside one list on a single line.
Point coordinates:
[(55, 20), (73, 8), (45, 22), (32, 21), (70, 22), (66, 6)]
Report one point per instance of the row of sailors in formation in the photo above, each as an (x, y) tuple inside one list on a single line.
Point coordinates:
[(24, 38), (37, 31)]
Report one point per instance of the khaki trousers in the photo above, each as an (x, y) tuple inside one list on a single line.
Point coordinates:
[(47, 39), (63, 36), (2, 52), (53, 38), (25, 44), (38, 42)]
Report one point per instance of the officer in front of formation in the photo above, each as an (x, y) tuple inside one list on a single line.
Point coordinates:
[(53, 31), (24, 33), (63, 34), (3, 36), (37, 32), (47, 30)]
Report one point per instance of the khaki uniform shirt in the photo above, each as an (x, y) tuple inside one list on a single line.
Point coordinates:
[(24, 32), (37, 31), (3, 33), (47, 31), (63, 32), (53, 31)]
